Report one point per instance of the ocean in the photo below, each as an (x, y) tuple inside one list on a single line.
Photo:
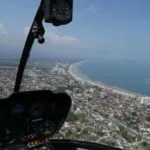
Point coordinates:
[(127, 75)]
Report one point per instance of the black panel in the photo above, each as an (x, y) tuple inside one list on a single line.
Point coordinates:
[(34, 113), (74, 144)]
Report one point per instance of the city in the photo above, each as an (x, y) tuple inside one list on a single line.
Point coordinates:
[(97, 114)]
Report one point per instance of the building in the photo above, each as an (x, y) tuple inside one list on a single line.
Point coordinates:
[(145, 100)]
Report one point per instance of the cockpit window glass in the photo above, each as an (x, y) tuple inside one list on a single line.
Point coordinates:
[(101, 59)]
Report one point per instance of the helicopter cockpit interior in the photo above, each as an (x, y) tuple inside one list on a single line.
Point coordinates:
[(29, 119)]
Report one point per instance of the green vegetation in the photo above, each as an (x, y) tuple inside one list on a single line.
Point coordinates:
[(85, 131), (74, 117), (96, 110), (78, 129), (69, 133), (145, 145), (126, 135), (81, 116), (70, 87), (60, 89), (100, 133)]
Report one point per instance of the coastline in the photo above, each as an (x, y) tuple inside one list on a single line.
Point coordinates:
[(74, 71)]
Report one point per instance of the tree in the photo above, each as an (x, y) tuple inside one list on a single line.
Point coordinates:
[(75, 117), (145, 145), (72, 117)]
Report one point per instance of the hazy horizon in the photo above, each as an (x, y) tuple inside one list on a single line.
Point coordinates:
[(100, 28)]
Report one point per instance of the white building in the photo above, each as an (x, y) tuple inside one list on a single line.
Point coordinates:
[(145, 100)]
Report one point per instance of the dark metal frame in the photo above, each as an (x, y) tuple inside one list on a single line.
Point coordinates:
[(28, 45)]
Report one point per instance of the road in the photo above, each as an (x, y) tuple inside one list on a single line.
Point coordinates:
[(112, 119), (101, 138)]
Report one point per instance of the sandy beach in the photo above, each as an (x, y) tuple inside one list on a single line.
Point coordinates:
[(74, 71)]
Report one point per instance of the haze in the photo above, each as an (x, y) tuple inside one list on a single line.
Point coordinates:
[(100, 28)]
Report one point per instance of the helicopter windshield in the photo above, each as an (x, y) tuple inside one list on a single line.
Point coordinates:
[(101, 59)]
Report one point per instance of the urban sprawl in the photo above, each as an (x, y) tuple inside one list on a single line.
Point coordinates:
[(97, 114)]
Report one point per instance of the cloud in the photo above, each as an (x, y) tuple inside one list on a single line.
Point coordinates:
[(26, 31), (56, 39), (2, 30), (62, 40)]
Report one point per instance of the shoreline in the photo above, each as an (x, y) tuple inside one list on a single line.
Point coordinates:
[(77, 75)]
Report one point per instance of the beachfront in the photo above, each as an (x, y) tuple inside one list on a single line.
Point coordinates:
[(74, 71)]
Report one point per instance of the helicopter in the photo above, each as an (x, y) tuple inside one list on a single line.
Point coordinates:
[(29, 119)]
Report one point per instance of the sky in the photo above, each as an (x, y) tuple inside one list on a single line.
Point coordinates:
[(100, 28)]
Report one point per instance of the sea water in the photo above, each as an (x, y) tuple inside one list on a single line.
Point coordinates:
[(133, 76)]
